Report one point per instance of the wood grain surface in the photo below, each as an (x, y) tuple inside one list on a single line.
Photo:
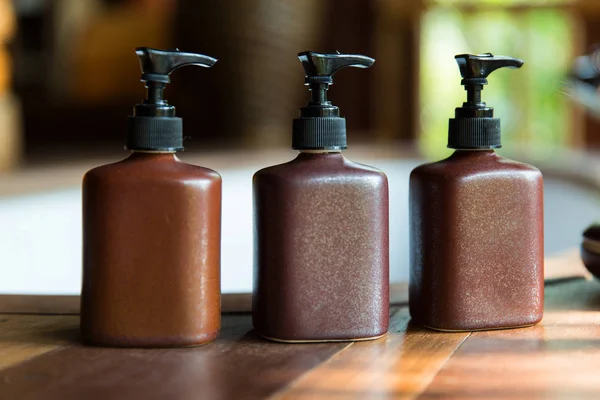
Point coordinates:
[(557, 359), (41, 358), (239, 365), (399, 365), (23, 337)]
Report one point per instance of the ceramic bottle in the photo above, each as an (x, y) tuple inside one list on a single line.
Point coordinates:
[(321, 257), (151, 231), (476, 223)]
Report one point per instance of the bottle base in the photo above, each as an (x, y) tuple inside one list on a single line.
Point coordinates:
[(292, 341), (479, 329), (148, 343), (143, 346)]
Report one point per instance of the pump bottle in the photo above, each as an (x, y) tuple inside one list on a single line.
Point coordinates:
[(321, 266), (476, 223), (151, 230)]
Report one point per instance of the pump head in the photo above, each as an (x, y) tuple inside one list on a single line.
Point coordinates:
[(156, 67), (320, 126), (474, 125), (154, 126)]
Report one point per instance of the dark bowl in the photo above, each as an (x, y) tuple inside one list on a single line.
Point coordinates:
[(590, 249)]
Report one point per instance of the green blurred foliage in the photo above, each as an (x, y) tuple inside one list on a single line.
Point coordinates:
[(535, 114)]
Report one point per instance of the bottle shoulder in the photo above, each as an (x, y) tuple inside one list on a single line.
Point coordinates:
[(307, 169), (457, 167), (156, 170)]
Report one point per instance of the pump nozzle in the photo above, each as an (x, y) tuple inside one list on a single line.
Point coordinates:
[(320, 126), (157, 65), (474, 70), (474, 125), (481, 65), (319, 69), (154, 126), (324, 65)]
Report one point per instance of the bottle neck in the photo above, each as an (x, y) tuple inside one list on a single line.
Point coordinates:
[(152, 152), (473, 155), (154, 156), (468, 151), (318, 151)]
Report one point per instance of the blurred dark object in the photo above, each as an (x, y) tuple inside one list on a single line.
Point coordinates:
[(10, 132), (588, 14), (254, 92), (79, 100), (257, 91), (587, 69), (590, 249), (583, 85), (74, 63), (584, 80)]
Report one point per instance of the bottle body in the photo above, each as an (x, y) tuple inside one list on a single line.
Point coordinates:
[(476, 243), (321, 255), (151, 253)]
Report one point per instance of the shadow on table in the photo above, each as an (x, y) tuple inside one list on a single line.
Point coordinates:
[(238, 365)]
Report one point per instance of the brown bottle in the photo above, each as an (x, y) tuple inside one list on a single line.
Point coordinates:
[(476, 224), (151, 231), (321, 267)]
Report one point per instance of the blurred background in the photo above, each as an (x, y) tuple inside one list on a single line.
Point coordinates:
[(69, 78)]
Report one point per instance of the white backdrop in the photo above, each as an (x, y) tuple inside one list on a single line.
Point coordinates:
[(40, 235)]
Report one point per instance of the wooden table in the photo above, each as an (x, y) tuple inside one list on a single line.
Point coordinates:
[(41, 358)]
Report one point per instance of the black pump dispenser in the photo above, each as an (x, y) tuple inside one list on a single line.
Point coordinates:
[(474, 126), (154, 126), (320, 126)]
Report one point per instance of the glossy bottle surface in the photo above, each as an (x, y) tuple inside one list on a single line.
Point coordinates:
[(151, 253), (321, 267), (476, 227)]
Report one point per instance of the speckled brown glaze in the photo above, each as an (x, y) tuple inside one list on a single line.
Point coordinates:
[(476, 243), (321, 267), (151, 253)]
